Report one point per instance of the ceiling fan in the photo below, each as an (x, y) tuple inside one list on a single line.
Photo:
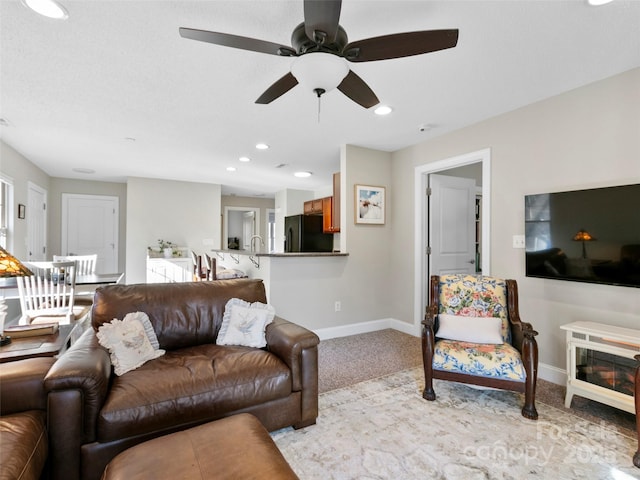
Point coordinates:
[(321, 46)]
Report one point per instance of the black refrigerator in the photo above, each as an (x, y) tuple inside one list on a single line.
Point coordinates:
[(303, 233)]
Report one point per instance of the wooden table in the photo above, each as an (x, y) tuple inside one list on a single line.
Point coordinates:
[(40, 346)]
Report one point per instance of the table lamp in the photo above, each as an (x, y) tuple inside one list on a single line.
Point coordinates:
[(10, 266), (583, 236)]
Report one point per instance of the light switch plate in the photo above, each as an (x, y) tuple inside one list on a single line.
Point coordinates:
[(518, 241)]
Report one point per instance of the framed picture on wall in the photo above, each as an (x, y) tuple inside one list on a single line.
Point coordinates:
[(370, 205)]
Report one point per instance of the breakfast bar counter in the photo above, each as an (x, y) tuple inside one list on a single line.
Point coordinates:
[(280, 254)]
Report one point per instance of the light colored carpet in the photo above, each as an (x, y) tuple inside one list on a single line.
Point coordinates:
[(384, 429), (344, 361)]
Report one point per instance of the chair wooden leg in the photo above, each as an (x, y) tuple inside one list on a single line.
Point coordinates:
[(530, 359), (427, 362)]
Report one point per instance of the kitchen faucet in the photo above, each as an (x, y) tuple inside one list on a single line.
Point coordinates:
[(253, 237)]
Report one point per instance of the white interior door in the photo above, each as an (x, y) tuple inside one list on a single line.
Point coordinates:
[(248, 229), (452, 224), (36, 215), (90, 225)]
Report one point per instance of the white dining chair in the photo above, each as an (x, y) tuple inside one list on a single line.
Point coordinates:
[(85, 264), (47, 296)]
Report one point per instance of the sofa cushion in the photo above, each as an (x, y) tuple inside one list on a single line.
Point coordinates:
[(23, 445), (191, 385)]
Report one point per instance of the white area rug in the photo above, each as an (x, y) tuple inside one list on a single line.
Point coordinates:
[(384, 429)]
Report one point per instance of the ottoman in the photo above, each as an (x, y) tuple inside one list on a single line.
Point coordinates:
[(236, 447)]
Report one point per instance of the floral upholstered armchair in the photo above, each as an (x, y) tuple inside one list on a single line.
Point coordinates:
[(472, 333)]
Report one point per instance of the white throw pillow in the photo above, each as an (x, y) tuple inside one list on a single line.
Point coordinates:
[(245, 323), (229, 273), (470, 329), (128, 344), (148, 328)]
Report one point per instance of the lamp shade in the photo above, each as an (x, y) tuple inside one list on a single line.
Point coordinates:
[(319, 70), (583, 236), (10, 266)]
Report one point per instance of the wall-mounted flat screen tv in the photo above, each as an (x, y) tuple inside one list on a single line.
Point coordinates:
[(585, 235)]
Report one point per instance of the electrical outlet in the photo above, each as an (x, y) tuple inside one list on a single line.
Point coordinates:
[(518, 241), (338, 305)]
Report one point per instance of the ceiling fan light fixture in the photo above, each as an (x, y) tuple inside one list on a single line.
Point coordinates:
[(319, 70), (47, 8)]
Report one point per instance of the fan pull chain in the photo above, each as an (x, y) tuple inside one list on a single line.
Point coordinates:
[(319, 92)]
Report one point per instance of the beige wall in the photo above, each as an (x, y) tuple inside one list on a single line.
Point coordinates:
[(21, 171), (588, 137), (304, 290), (184, 213)]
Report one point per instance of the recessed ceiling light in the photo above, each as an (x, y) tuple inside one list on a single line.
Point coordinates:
[(244, 159), (83, 170), (302, 174), (597, 3), (262, 146), (231, 169), (130, 139), (4, 122), (47, 8), (383, 110)]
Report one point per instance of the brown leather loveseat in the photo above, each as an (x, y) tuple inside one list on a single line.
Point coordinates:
[(94, 414)]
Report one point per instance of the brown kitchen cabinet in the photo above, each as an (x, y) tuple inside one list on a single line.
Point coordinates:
[(327, 215), (335, 203), (313, 207), (328, 207)]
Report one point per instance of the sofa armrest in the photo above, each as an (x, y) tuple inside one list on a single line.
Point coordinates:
[(298, 348), (288, 341), (22, 386), (77, 386)]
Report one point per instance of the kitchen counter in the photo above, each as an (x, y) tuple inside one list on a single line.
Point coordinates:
[(282, 254)]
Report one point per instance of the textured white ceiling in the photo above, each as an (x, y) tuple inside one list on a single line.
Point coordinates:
[(72, 91)]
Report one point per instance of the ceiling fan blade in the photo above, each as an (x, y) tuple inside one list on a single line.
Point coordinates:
[(322, 16), (400, 45), (236, 41), (279, 88), (357, 90)]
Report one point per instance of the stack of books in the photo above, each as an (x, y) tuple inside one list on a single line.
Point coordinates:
[(21, 331)]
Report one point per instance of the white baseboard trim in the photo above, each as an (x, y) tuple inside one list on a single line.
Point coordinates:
[(552, 374), (365, 327)]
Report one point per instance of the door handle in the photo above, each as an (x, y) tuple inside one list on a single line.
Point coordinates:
[(471, 262)]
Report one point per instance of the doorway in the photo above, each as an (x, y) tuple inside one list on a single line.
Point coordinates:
[(36, 213), (238, 226), (90, 225), (422, 241)]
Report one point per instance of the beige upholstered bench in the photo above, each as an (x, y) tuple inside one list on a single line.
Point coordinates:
[(236, 447)]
